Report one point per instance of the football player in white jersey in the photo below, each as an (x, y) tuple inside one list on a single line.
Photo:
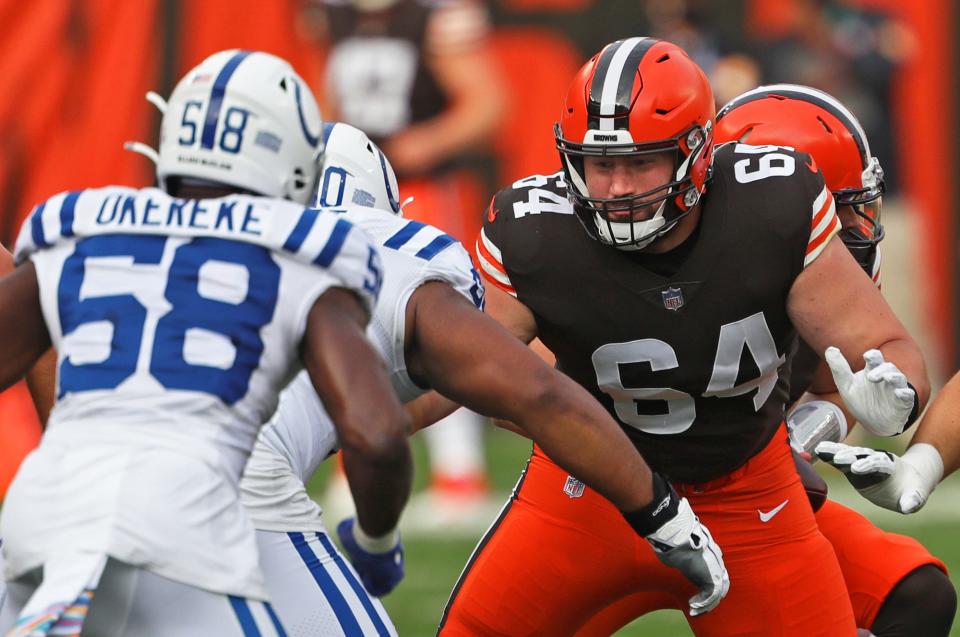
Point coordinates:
[(429, 331), (178, 315)]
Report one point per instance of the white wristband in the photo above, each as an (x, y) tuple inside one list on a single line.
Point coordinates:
[(928, 463), (382, 544)]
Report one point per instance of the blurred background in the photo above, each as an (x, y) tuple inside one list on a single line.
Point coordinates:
[(462, 95)]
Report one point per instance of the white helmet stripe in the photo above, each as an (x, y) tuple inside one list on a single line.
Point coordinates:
[(611, 83)]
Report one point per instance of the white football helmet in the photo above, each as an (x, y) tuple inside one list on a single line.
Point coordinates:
[(244, 119), (354, 171)]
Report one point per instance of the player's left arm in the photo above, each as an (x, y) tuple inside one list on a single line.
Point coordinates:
[(839, 311), (23, 332)]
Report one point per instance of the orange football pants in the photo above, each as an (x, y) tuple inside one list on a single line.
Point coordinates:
[(872, 561), (557, 556)]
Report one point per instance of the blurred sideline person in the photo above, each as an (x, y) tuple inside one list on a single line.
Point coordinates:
[(430, 333), (420, 78), (672, 283), (905, 592), (178, 314)]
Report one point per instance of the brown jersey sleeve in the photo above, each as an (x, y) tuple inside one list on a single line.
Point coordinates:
[(490, 244)]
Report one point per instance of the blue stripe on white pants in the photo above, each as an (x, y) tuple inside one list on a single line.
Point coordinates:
[(300, 604), (357, 587), (256, 618), (332, 593)]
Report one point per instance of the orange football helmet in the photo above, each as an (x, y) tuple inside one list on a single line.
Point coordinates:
[(636, 97), (816, 123)]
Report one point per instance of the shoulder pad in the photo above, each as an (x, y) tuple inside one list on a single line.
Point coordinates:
[(537, 194)]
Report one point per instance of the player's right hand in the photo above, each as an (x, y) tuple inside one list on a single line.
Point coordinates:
[(685, 544), (379, 571)]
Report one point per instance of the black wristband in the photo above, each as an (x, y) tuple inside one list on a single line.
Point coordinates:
[(662, 507), (915, 412)]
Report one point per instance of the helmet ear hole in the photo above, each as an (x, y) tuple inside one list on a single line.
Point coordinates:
[(299, 181)]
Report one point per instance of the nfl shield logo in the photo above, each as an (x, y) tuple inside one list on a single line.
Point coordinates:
[(672, 298), (573, 487)]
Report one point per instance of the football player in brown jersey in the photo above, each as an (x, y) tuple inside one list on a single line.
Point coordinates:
[(677, 308), (907, 592)]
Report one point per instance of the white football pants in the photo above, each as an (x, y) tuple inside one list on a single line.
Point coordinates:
[(315, 590), (131, 601)]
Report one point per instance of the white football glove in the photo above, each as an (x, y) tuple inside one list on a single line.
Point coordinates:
[(685, 544), (878, 395), (900, 484)]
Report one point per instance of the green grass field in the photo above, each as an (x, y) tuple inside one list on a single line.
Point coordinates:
[(434, 562)]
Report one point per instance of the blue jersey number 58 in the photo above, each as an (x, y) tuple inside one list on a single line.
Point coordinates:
[(240, 322)]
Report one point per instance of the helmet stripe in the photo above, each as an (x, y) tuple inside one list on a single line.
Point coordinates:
[(812, 96), (327, 130), (613, 83), (216, 98), (313, 140), (394, 203)]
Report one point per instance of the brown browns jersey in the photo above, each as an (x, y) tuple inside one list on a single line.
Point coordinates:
[(693, 363)]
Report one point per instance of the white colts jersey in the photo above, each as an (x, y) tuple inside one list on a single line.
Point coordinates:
[(177, 323), (301, 435)]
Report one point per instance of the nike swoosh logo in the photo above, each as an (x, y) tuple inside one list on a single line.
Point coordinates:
[(766, 517)]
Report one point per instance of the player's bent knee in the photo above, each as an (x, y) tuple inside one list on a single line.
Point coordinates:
[(922, 603)]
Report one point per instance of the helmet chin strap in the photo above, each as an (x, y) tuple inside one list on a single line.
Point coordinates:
[(620, 234)]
